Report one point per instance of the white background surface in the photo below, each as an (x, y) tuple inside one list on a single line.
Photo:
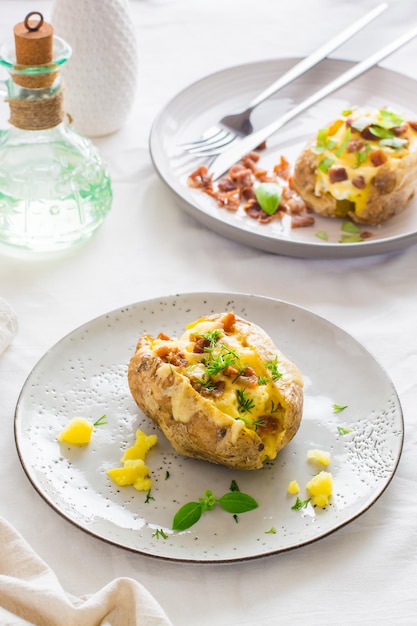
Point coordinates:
[(148, 247)]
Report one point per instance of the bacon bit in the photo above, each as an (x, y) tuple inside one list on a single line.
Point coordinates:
[(237, 189), (215, 391), (250, 164), (413, 125), (400, 130), (367, 134), (366, 234), (261, 146), (378, 157), (283, 168), (264, 177), (355, 145), (163, 336), (200, 345), (200, 179), (268, 424), (301, 221), (359, 182), (226, 184), (171, 355), (337, 174), (228, 320)]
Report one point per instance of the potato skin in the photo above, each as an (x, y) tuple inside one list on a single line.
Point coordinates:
[(391, 187), (192, 423)]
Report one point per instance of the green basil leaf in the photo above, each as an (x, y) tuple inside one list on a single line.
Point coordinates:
[(321, 234), (187, 516), (268, 196), (237, 502)]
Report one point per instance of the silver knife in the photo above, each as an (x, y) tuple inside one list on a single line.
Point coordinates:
[(232, 155)]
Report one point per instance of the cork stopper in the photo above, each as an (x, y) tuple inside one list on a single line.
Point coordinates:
[(34, 46)]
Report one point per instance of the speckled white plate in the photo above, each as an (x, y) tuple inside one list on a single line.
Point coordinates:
[(203, 103), (84, 374)]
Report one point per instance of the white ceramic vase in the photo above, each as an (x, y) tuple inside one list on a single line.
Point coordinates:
[(100, 79)]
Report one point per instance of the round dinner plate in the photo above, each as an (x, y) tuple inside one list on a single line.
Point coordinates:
[(202, 104), (85, 374)]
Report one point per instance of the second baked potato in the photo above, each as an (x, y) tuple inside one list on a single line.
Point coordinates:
[(222, 392), (363, 166)]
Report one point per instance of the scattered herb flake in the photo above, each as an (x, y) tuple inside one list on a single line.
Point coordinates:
[(300, 504), (234, 486), (148, 497), (166, 475), (350, 227), (350, 239), (322, 235), (271, 531), (343, 431), (101, 420), (337, 408), (160, 533)]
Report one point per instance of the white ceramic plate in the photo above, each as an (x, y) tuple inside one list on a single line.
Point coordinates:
[(199, 106), (85, 375)]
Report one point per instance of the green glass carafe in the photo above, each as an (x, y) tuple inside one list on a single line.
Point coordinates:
[(55, 190)]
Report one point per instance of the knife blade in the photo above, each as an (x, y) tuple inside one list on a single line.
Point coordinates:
[(232, 155)]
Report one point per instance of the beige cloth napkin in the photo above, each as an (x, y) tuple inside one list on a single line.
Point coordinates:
[(30, 594)]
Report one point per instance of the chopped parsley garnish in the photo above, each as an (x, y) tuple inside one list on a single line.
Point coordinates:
[(300, 504), (160, 533), (272, 366), (321, 234), (244, 403)]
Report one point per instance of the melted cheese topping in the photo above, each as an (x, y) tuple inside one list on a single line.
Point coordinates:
[(349, 143), (247, 391)]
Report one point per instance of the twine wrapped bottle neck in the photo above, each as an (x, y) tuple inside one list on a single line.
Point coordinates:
[(39, 114)]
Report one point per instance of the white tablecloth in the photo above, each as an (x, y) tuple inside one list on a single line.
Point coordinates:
[(148, 246)]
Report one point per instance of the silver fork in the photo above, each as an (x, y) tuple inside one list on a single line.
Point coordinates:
[(219, 137)]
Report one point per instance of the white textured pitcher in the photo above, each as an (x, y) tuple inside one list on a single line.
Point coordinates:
[(100, 79)]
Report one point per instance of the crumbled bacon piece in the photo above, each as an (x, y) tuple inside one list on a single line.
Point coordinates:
[(215, 390), (283, 168), (378, 157), (413, 125), (400, 130), (228, 320), (268, 424), (171, 355), (359, 182), (355, 145), (200, 179), (301, 221), (337, 174), (237, 188)]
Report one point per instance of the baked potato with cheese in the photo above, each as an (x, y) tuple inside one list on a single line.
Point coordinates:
[(222, 392), (363, 166)]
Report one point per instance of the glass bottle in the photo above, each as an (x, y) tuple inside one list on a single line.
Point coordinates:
[(55, 190)]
